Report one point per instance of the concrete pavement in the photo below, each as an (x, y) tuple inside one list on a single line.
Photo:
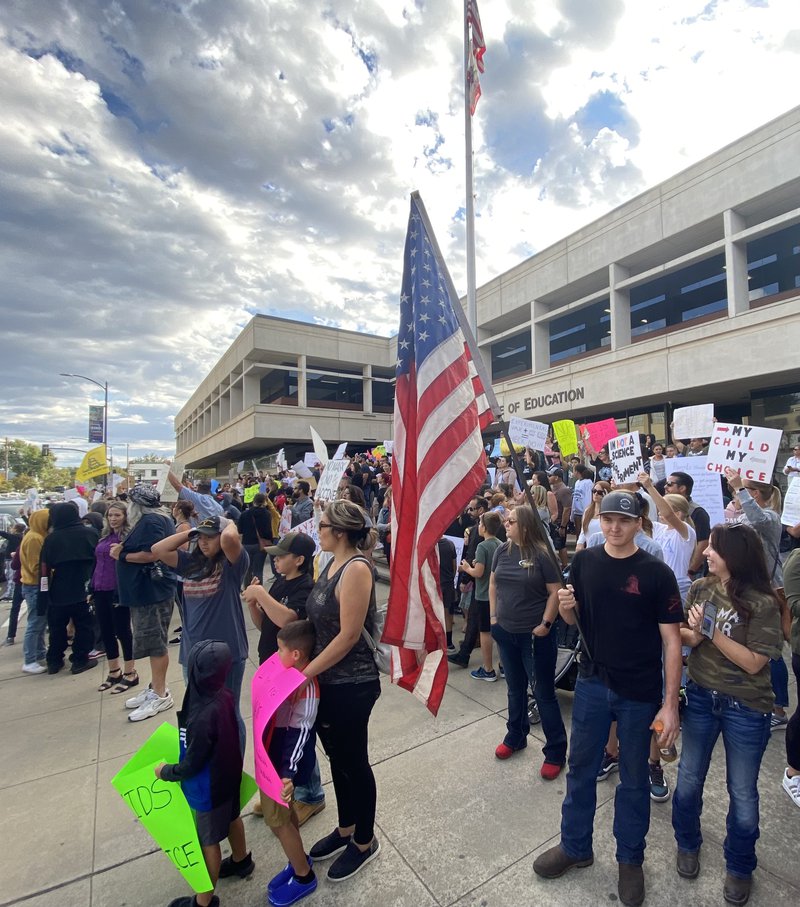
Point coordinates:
[(457, 827)]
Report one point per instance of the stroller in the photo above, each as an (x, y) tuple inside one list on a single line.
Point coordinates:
[(569, 645)]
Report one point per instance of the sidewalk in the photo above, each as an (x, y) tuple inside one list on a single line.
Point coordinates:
[(456, 826)]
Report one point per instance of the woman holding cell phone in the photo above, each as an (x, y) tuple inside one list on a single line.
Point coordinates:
[(733, 629)]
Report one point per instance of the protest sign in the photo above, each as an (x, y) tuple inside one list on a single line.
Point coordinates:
[(791, 504), (280, 460), (161, 807), (527, 432), (272, 684), (301, 469), (168, 494), (320, 448), (597, 434), (340, 451), (329, 480), (388, 446), (285, 524), (309, 528), (310, 459), (626, 457), (566, 435), (458, 542), (492, 471), (748, 449), (495, 451), (707, 488), (249, 493), (693, 421)]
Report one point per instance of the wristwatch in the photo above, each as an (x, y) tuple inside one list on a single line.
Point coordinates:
[(547, 623)]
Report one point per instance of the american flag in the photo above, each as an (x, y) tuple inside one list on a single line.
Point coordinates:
[(441, 406)]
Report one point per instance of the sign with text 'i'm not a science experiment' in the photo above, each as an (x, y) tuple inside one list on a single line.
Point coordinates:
[(626, 457)]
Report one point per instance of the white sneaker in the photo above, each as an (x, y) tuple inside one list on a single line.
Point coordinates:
[(152, 705), (33, 668), (792, 787), (139, 699)]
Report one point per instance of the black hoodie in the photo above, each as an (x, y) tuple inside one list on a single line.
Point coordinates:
[(67, 558), (210, 770)]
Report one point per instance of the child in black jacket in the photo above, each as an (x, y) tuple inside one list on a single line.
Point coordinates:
[(210, 769)]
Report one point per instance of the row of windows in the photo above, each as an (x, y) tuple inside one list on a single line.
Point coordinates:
[(280, 386), (691, 295)]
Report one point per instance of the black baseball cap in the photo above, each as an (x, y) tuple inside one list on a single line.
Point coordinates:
[(210, 526), (294, 543), (621, 502)]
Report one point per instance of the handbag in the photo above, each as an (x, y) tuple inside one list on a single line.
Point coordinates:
[(381, 651)]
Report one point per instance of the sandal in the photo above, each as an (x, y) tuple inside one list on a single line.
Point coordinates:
[(113, 677), (127, 681)]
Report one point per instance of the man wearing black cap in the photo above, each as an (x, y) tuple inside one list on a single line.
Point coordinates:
[(628, 608)]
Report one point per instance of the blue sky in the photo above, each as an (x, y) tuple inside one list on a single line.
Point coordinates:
[(169, 169)]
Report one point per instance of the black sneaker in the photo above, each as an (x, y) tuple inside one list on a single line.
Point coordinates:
[(329, 846), (459, 660), (609, 764), (54, 668), (352, 860), (229, 867), (83, 666)]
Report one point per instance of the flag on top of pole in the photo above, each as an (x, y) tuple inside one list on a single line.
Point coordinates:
[(443, 401), (476, 48)]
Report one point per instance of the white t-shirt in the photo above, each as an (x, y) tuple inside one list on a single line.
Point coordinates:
[(677, 552), (581, 496)]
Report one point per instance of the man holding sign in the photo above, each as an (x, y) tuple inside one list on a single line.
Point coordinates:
[(210, 767)]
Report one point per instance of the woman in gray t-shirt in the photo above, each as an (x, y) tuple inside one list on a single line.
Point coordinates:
[(523, 604)]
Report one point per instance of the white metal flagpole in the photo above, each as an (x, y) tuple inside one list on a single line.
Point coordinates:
[(472, 306)]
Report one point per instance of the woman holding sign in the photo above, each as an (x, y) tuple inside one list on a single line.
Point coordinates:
[(341, 605), (733, 629)]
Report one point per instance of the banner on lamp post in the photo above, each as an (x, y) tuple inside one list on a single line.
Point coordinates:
[(96, 424)]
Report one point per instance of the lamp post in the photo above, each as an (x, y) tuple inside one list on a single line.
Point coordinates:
[(104, 386)]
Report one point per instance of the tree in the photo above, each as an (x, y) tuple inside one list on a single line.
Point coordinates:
[(24, 458)]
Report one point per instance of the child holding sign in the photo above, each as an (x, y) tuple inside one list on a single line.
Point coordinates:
[(210, 767), (289, 740)]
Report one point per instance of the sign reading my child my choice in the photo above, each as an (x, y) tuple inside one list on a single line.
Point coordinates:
[(626, 457), (748, 449)]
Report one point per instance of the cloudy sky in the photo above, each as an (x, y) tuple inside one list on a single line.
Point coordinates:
[(168, 169)]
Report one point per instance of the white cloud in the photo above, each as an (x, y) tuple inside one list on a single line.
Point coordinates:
[(168, 170)]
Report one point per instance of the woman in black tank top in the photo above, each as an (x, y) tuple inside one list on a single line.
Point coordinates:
[(341, 603)]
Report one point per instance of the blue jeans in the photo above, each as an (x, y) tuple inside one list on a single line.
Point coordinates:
[(595, 707), (525, 664), (234, 683), (311, 791), (33, 647), (779, 675), (745, 734)]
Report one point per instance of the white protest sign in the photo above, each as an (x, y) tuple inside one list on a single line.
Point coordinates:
[(71, 494), (320, 448), (626, 457), (302, 470), (240, 466), (309, 528), (707, 488), (693, 421), (285, 524), (528, 433), (791, 504), (340, 451), (492, 470), (329, 480), (388, 446), (280, 459), (310, 459), (168, 494), (458, 542), (747, 449)]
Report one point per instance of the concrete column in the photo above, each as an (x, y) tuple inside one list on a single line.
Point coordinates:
[(540, 338), (735, 264), (225, 408), (237, 399), (367, 380), (302, 374), (251, 385), (215, 415), (620, 305)]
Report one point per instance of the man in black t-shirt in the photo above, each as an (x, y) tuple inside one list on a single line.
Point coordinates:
[(628, 608)]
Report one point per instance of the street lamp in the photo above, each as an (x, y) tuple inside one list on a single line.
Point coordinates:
[(104, 385)]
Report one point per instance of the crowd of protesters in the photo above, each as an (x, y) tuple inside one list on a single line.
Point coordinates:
[(669, 611)]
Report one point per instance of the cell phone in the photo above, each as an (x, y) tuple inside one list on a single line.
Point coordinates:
[(709, 622)]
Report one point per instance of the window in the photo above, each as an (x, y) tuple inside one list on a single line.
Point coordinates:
[(280, 387), (511, 356), (334, 391), (773, 263), (580, 332), (383, 396)]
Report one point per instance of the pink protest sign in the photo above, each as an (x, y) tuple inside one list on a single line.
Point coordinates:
[(599, 433), (272, 684)]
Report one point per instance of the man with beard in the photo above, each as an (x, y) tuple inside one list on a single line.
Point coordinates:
[(302, 505), (148, 589)]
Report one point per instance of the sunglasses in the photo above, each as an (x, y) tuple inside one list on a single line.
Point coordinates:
[(509, 522), (670, 484), (599, 491), (326, 525)]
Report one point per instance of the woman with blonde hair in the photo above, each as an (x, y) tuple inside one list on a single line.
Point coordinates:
[(591, 516), (114, 619), (341, 605)]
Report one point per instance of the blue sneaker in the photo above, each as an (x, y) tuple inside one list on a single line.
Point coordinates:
[(284, 875), (483, 674), (291, 892)]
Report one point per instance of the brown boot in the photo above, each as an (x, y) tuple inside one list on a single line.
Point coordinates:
[(555, 862), (736, 890), (304, 811), (631, 884)]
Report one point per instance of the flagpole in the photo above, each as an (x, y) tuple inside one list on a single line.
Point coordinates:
[(472, 306)]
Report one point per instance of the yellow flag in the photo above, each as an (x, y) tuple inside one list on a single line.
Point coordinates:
[(94, 464), (566, 436)]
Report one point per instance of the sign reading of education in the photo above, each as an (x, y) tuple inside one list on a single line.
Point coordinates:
[(527, 432), (748, 449), (161, 807), (626, 457)]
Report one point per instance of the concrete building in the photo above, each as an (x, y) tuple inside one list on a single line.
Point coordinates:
[(689, 293)]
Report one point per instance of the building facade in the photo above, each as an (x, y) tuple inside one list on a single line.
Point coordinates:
[(689, 293)]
